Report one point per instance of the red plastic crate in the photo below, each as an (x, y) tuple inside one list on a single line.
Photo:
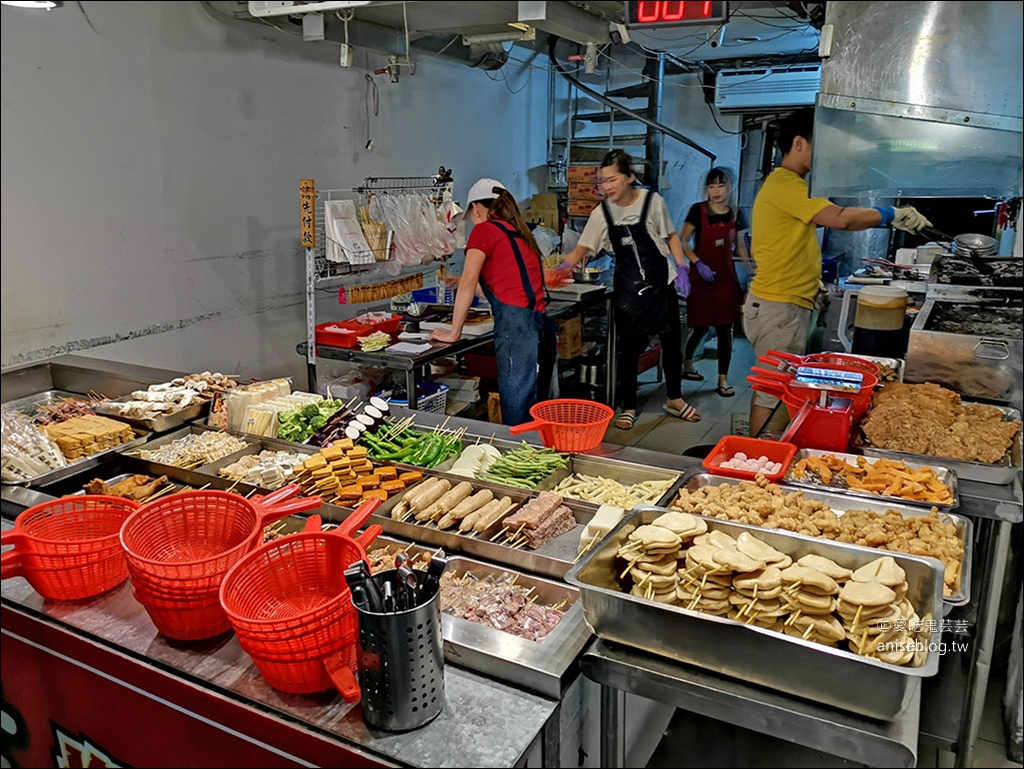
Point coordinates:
[(346, 333), (728, 447)]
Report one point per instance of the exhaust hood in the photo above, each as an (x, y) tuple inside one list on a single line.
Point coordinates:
[(919, 99)]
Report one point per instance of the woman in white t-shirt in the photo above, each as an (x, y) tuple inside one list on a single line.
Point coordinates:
[(635, 225)]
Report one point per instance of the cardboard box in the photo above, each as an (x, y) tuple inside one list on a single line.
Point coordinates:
[(582, 207), (582, 174), (543, 210), (570, 338), (580, 191)]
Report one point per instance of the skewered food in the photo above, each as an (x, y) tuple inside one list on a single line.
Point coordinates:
[(194, 450), (134, 487)]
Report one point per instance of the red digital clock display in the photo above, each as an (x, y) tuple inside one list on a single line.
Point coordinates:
[(650, 15)]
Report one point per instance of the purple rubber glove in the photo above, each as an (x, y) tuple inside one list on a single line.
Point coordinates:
[(682, 283), (705, 272)]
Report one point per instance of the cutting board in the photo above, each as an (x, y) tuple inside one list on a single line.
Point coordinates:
[(575, 290), (469, 329)]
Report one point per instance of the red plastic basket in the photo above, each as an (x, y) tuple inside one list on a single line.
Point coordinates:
[(568, 424), (822, 359), (179, 549), (728, 446), (187, 619), (347, 333), (68, 549), (291, 609)]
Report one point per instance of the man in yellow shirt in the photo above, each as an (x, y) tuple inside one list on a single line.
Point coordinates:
[(779, 305)]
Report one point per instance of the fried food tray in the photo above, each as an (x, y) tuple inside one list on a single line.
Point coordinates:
[(1001, 473), (841, 502), (944, 474), (822, 674)]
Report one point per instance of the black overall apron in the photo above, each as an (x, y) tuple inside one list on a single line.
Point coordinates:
[(519, 334), (645, 305), (641, 272)]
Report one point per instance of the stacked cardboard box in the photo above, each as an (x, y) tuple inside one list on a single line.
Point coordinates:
[(584, 194)]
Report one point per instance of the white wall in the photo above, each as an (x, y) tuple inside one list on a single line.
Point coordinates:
[(150, 173)]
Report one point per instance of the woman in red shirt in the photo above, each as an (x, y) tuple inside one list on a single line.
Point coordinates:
[(715, 295), (502, 255)]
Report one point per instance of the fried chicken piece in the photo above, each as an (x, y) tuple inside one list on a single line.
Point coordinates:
[(97, 486)]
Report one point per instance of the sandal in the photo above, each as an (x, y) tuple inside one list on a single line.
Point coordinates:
[(625, 421), (687, 413), (725, 391), (693, 376)]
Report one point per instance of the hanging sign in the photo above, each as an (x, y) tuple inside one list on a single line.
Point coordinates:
[(307, 213)]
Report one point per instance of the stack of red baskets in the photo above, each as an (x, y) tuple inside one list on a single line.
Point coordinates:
[(68, 549), (778, 383), (291, 608), (180, 547)]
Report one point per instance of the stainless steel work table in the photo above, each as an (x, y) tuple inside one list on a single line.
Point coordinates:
[(411, 364), (484, 723), (619, 669)]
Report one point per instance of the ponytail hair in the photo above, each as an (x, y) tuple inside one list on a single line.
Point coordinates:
[(505, 208)]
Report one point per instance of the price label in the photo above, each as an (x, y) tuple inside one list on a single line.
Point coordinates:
[(307, 213)]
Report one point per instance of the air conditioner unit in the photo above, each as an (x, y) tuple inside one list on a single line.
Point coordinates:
[(270, 8), (760, 89)]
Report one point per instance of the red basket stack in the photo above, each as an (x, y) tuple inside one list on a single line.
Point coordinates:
[(568, 424), (291, 608), (778, 382), (69, 549), (180, 547)]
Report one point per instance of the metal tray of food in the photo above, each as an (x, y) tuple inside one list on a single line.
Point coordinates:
[(119, 466), (162, 423), (85, 463), (841, 503), (29, 404), (257, 446), (1001, 473), (823, 674), (166, 487), (626, 473), (165, 440), (898, 365), (552, 559), (535, 665), (944, 475)]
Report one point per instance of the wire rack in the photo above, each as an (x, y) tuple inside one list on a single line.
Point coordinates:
[(434, 187)]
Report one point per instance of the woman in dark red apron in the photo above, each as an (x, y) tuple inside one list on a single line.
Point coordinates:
[(715, 295)]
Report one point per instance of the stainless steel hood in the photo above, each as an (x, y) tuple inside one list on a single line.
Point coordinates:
[(919, 99)]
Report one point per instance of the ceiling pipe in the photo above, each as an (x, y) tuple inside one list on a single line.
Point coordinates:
[(625, 110)]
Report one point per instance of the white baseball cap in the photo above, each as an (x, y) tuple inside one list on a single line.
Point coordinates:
[(483, 190)]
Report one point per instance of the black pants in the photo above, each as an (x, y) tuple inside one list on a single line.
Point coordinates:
[(724, 334), (632, 335)]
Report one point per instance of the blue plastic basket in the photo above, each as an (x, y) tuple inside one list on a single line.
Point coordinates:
[(433, 397), (438, 296)]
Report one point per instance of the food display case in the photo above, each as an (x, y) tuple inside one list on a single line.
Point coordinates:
[(972, 341)]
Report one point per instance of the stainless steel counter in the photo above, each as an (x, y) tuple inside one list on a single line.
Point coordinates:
[(484, 723), (620, 669)]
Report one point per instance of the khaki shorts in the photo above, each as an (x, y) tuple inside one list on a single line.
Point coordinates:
[(774, 326)]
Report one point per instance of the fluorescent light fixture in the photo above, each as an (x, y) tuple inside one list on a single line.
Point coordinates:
[(288, 8), (45, 5)]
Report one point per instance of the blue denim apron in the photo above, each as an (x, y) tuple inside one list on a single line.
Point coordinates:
[(525, 344)]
